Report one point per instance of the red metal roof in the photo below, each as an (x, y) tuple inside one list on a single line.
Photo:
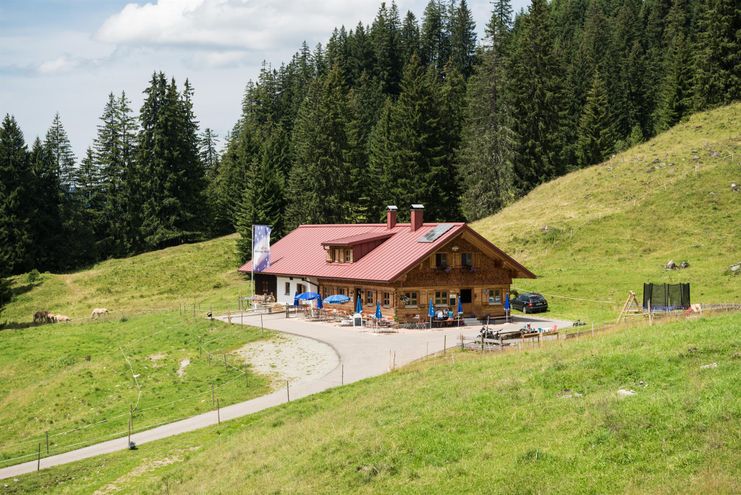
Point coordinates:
[(301, 252)]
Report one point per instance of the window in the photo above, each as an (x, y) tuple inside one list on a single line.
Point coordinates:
[(386, 299), (467, 260), (441, 297), (410, 299), (288, 289), (342, 291), (369, 299), (300, 288), (494, 296), (441, 260)]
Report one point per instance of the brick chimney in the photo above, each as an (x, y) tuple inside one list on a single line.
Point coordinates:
[(391, 216), (417, 216)]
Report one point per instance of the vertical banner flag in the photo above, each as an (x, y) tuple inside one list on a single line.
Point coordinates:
[(260, 247)]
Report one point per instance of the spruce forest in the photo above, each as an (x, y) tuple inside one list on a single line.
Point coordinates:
[(405, 109)]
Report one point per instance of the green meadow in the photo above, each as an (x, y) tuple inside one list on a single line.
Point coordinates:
[(546, 420)]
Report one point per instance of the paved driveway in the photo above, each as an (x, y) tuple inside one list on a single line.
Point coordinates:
[(362, 354)]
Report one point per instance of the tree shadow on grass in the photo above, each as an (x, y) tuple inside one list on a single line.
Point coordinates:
[(17, 325)]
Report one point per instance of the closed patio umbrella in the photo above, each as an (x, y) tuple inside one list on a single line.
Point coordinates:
[(379, 315), (431, 312), (319, 304), (460, 306), (506, 307), (358, 305)]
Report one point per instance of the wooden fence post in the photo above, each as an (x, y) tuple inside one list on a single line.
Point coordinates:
[(218, 412), (288, 392), (342, 374), (38, 459), (445, 344), (47, 443)]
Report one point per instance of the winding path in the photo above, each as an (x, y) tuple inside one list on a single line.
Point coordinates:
[(362, 354)]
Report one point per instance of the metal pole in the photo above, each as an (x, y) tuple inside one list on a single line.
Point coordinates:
[(445, 344), (288, 392), (261, 326), (342, 374), (38, 459), (218, 412), (47, 443)]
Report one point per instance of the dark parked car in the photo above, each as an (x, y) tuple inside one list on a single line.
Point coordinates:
[(530, 302)]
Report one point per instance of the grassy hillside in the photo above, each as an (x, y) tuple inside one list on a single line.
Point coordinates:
[(204, 272), (613, 226), (76, 381), (548, 420)]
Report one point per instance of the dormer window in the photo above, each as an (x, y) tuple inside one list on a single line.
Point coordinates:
[(342, 255)]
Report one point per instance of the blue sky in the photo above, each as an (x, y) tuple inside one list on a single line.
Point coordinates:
[(66, 56)]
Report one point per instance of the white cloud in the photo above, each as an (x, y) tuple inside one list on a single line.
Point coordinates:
[(59, 64), (254, 25)]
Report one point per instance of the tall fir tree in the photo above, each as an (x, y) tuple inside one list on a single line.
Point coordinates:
[(410, 144), (46, 219), (385, 37), (486, 155), (462, 38), (320, 178), (675, 89), (364, 104), (435, 36), (168, 168), (15, 208), (717, 55), (537, 97), (60, 150), (409, 37), (596, 138)]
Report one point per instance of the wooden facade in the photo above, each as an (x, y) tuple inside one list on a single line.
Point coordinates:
[(464, 268)]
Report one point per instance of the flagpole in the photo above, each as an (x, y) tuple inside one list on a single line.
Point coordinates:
[(253, 266)]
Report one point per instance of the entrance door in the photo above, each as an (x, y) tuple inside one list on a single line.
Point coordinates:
[(466, 296)]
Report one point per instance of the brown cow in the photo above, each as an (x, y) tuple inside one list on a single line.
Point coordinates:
[(42, 317)]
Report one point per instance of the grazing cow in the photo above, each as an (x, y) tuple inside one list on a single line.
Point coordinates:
[(61, 318), (42, 317), (97, 312)]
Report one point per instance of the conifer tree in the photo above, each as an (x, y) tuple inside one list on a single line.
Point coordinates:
[(675, 96), (320, 178), (409, 37), (385, 38), (411, 147), (169, 171), (486, 156), (364, 104), (462, 38), (46, 218), (596, 132), (90, 195), (59, 149), (717, 59), (15, 210), (435, 36), (536, 90)]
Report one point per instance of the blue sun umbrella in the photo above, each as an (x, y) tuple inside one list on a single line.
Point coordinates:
[(337, 299), (295, 299), (506, 302), (358, 305), (308, 296), (379, 315), (431, 311), (319, 304), (460, 306)]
